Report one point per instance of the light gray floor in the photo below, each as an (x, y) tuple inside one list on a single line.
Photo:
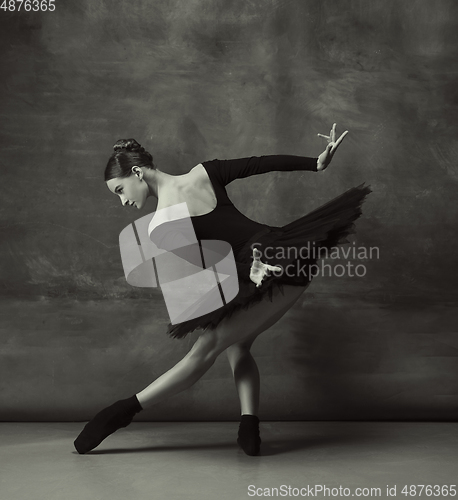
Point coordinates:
[(201, 460)]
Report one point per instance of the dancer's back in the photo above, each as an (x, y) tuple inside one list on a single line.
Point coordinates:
[(194, 188)]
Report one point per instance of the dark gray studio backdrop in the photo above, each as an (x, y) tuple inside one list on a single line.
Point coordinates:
[(193, 81)]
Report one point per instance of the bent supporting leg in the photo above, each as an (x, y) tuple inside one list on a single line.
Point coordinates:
[(246, 377), (247, 380), (243, 365)]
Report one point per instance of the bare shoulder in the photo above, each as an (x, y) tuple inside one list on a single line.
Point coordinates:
[(182, 186), (198, 170), (196, 176)]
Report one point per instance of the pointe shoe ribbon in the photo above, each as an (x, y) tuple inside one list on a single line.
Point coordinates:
[(259, 270)]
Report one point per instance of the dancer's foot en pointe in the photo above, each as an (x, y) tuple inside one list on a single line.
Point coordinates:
[(107, 421), (248, 437)]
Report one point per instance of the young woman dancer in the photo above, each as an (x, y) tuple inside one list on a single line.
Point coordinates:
[(132, 175)]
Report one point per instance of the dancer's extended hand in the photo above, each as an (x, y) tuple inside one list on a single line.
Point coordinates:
[(259, 269), (325, 158)]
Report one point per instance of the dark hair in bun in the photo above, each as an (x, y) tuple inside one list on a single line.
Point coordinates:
[(127, 154)]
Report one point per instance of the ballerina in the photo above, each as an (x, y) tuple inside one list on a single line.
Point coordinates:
[(263, 297)]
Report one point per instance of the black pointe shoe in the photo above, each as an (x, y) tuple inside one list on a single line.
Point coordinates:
[(107, 421), (248, 437)]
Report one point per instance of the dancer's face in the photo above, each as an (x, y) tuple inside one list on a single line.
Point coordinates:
[(132, 190)]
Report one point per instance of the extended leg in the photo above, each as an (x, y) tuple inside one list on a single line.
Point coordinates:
[(184, 374)]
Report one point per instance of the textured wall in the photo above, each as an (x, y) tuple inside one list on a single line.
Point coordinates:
[(202, 79)]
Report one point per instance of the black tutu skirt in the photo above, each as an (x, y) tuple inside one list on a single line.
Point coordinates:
[(325, 227)]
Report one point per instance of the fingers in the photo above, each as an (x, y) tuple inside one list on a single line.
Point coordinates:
[(273, 268), (256, 254), (331, 138), (333, 133), (339, 140)]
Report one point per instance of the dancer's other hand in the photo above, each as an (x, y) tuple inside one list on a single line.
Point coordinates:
[(259, 270), (325, 158)]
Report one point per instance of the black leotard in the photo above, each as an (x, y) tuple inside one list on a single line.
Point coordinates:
[(225, 222)]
